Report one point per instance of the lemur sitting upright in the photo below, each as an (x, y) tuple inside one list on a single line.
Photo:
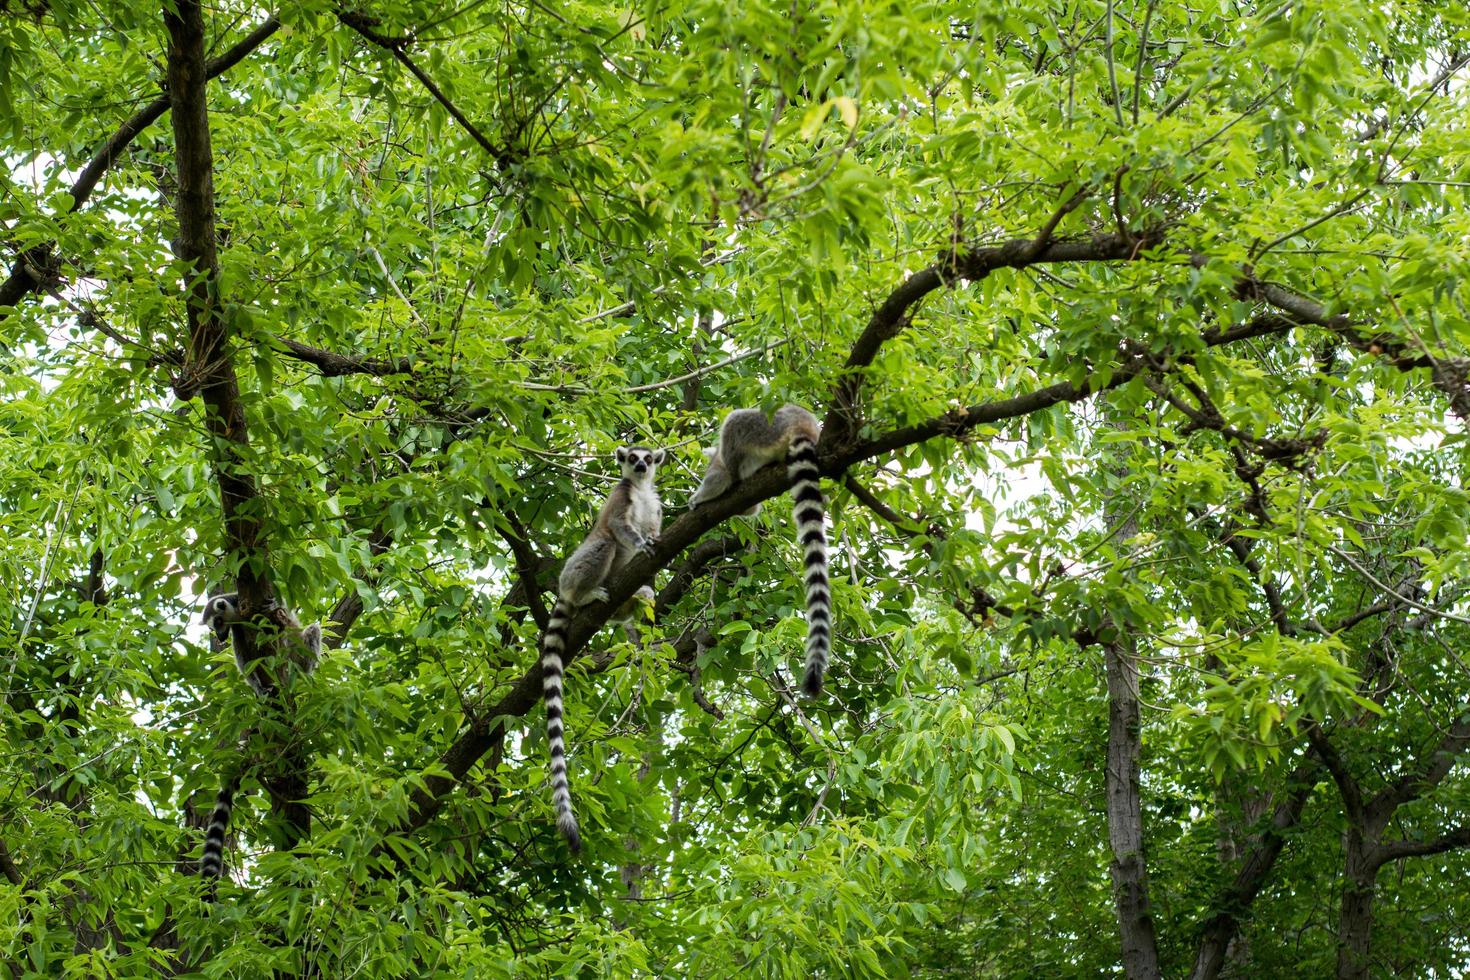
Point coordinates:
[(627, 525), (748, 442)]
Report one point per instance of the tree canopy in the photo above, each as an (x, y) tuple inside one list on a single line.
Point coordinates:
[(1138, 341)]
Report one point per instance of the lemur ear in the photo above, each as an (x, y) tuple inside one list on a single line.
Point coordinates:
[(710, 452), (658, 457), (622, 454)]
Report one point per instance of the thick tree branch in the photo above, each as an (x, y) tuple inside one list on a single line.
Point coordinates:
[(1255, 867), (870, 500), (700, 557), (209, 370), (1208, 416), (350, 606), (961, 420), (1241, 549), (527, 563), (1451, 375), (894, 313), (207, 363), (1397, 849), (1347, 785), (334, 365), (23, 278), (7, 866), (686, 657)]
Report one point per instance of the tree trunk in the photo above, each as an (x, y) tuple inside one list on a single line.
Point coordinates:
[(1125, 816), (1139, 945), (1355, 918)]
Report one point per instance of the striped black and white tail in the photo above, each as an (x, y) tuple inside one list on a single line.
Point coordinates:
[(808, 509), (212, 861), (552, 647)]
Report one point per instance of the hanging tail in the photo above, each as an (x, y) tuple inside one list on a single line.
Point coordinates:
[(808, 509), (552, 647), (212, 860)]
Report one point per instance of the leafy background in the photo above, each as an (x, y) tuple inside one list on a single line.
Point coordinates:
[(466, 250)]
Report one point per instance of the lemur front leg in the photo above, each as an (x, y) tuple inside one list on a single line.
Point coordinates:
[(630, 537)]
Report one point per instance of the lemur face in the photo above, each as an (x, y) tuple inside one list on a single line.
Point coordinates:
[(638, 461), (219, 612)]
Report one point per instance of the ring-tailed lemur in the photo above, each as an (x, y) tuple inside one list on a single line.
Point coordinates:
[(628, 524), (748, 442), (222, 616)]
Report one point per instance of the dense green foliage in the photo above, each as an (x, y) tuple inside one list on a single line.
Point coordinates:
[(1193, 269)]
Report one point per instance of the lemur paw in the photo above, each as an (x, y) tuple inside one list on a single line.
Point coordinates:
[(648, 545), (598, 594)]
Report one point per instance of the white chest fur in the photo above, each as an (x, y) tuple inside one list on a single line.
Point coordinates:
[(648, 511)]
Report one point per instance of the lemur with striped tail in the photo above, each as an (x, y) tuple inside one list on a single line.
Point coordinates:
[(748, 442), (628, 525)]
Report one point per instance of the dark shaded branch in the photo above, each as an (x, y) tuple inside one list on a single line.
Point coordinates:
[(7, 865), (209, 371), (686, 659), (1429, 773), (870, 500), (1451, 375), (207, 362), (894, 313), (363, 24), (39, 258), (334, 365), (350, 605), (959, 421), (527, 564), (1236, 898), (1348, 622), (1397, 849), (1347, 786), (699, 558), (1241, 549), (1207, 416)]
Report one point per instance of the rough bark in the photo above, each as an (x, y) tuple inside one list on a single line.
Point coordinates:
[(1129, 869), (209, 371), (1125, 815), (1355, 916)]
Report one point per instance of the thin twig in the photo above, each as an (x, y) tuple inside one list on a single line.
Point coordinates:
[(1389, 589)]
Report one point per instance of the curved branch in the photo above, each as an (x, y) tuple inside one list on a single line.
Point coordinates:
[(894, 313), (334, 365), (1397, 849), (1347, 786), (39, 258)]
